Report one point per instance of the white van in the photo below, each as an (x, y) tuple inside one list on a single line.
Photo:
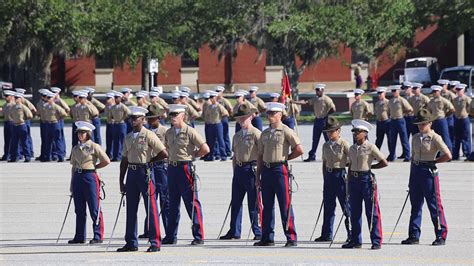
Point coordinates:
[(424, 70), (464, 74)]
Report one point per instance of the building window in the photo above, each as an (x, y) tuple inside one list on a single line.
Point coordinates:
[(188, 61), (103, 62), (357, 57), (274, 59)]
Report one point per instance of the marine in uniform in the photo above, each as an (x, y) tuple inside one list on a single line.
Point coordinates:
[(33, 110), (50, 115), (418, 101), (322, 107), (59, 152), (109, 104), (259, 104), (9, 96), (272, 164), (119, 114), (441, 108), (141, 148), (408, 88), (158, 100), (363, 186), (360, 109), (141, 99), (83, 110), (335, 156), (240, 97), (19, 113), (159, 168), (447, 92), (292, 112), (397, 108), (39, 108), (424, 180), (86, 158), (127, 101), (383, 120), (212, 113), (96, 119), (245, 148), (225, 120), (183, 143), (462, 125), (191, 112)]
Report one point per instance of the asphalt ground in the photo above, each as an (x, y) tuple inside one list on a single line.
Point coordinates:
[(34, 197)]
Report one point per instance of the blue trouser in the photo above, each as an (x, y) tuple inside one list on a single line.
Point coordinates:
[(7, 134), (180, 184), (440, 126), (275, 181), (20, 139), (74, 138), (119, 133), (361, 189), (409, 124), (382, 129), (462, 131), (450, 120), (59, 147), (225, 130), (86, 189), (398, 127), (214, 134), (29, 140), (289, 121), (257, 122), (334, 187), (43, 143), (244, 182), (51, 139), (318, 126), (109, 128), (138, 183), (96, 133), (424, 185), (160, 171)]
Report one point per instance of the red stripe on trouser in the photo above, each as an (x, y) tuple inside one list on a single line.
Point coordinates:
[(155, 213), (287, 190), (377, 210), (440, 208), (196, 206), (259, 206), (99, 215)]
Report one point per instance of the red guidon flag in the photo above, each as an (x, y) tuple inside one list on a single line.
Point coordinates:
[(285, 87)]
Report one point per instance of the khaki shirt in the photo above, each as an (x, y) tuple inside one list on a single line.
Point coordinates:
[(119, 113), (236, 107), (439, 106), (107, 110), (100, 106), (129, 102), (213, 114), (274, 144), (418, 102), (397, 106), (361, 157), (471, 108), (448, 95), (257, 102), (321, 106), (63, 104), (335, 153), (226, 103), (52, 113), (191, 113), (181, 144), (194, 104), (292, 109), (140, 148), (425, 148), (381, 110), (461, 106), (408, 98), (86, 156), (84, 112), (360, 110), (19, 113), (7, 111), (245, 144), (160, 132), (29, 105), (162, 102)]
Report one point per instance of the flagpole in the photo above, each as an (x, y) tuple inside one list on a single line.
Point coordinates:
[(293, 110)]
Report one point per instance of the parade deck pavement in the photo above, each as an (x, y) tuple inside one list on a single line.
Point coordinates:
[(34, 197)]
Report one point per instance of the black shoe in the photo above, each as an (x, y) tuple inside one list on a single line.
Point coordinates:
[(323, 239), (263, 243), (376, 247), (27, 160), (257, 237), (143, 236), (309, 160), (168, 241), (352, 245), (153, 249), (411, 241), (197, 242), (127, 249), (74, 241), (401, 156), (60, 159), (12, 161), (439, 242), (291, 244), (406, 160), (228, 236), (223, 159), (96, 241)]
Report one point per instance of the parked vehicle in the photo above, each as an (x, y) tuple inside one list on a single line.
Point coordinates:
[(464, 74), (423, 70)]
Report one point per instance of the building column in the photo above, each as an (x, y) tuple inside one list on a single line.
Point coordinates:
[(460, 49)]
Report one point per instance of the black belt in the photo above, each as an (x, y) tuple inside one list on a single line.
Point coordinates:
[(273, 165), (330, 170), (358, 173), (158, 163), (50, 122), (135, 166), (424, 163), (178, 163), (80, 171), (242, 164)]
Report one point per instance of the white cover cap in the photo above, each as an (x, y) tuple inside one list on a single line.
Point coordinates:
[(274, 107), (83, 125), (138, 111), (361, 125)]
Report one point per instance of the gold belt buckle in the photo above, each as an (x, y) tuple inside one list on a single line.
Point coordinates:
[(79, 170), (268, 165), (355, 174), (239, 163), (133, 167), (416, 162), (174, 163), (329, 169)]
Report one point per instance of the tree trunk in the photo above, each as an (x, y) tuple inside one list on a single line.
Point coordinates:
[(40, 66), (145, 77)]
